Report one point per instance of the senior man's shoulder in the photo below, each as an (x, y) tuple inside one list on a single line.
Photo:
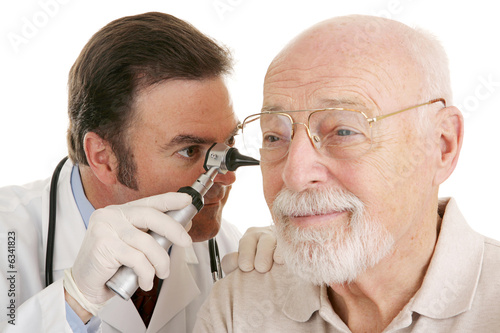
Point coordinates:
[(491, 260), (254, 285), (245, 301)]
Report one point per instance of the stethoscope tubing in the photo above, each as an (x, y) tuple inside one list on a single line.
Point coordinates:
[(52, 222)]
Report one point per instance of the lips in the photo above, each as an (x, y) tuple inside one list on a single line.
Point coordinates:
[(317, 213), (319, 219), (211, 203), (214, 195)]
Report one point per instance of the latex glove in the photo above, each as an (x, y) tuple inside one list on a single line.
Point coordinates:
[(257, 249), (116, 236)]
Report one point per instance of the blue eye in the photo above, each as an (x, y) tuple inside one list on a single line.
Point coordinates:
[(345, 132), (271, 138), (273, 141)]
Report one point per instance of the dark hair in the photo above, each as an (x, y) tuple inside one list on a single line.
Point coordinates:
[(126, 55)]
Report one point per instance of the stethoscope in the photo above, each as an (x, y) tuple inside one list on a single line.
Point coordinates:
[(213, 248)]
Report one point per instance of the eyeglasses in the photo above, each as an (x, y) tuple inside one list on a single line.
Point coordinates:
[(335, 132)]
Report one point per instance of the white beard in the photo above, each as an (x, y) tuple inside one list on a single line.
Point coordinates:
[(331, 254)]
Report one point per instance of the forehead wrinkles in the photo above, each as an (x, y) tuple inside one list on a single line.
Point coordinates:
[(327, 81)]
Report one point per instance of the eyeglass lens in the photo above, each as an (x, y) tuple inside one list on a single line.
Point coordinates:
[(338, 134)]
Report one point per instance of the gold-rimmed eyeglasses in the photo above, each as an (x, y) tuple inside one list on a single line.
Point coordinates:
[(339, 133)]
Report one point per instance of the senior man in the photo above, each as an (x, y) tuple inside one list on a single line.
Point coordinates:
[(147, 97), (357, 133)]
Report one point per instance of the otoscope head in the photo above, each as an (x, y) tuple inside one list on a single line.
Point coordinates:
[(226, 158)]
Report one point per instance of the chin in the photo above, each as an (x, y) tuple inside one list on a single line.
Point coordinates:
[(206, 224)]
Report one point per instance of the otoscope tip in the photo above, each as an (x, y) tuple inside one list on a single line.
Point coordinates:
[(235, 159)]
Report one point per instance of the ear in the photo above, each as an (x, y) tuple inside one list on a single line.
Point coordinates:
[(450, 129), (101, 158)]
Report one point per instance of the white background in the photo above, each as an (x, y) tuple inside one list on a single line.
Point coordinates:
[(33, 91)]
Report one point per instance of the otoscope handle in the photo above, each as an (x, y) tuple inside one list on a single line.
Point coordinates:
[(125, 281)]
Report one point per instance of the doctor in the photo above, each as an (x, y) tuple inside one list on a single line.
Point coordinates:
[(146, 99)]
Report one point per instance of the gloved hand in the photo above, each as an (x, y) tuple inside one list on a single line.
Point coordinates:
[(116, 236), (257, 249)]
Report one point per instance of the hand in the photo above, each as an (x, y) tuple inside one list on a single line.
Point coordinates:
[(257, 250), (117, 236)]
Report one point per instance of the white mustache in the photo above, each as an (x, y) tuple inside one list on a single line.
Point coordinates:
[(315, 202), (336, 253)]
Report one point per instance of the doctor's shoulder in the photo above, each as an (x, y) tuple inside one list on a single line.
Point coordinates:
[(22, 201)]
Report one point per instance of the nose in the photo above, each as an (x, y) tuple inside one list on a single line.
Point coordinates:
[(225, 179), (304, 167)]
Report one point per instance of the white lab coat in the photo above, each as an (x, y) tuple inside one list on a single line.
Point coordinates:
[(24, 211)]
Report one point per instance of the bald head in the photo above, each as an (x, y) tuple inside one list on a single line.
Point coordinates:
[(392, 58)]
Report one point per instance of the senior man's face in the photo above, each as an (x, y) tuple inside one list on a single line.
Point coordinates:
[(176, 122), (337, 218)]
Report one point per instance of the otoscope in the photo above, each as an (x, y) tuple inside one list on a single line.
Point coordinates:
[(219, 159)]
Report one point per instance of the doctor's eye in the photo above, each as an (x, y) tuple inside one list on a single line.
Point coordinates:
[(230, 142), (190, 152)]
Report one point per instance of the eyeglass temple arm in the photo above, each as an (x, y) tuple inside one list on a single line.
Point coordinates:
[(375, 119)]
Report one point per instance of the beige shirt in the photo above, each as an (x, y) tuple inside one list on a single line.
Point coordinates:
[(460, 293)]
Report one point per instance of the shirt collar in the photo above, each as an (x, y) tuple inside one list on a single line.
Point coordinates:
[(302, 301), (451, 280), (84, 206)]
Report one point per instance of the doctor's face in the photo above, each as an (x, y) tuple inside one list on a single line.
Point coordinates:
[(175, 124)]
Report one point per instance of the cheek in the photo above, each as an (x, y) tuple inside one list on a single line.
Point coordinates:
[(161, 178), (386, 188), (368, 178), (272, 182), (376, 171)]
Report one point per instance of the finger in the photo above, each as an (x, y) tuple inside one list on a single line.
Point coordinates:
[(163, 202), (278, 256), (265, 251), (160, 223), (188, 226), (246, 250), (154, 252), (137, 261), (230, 262)]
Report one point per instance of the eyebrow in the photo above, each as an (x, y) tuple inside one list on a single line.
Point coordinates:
[(271, 108), (189, 139), (336, 102), (327, 103)]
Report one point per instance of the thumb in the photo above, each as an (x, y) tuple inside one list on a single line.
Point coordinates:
[(230, 262), (278, 256)]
